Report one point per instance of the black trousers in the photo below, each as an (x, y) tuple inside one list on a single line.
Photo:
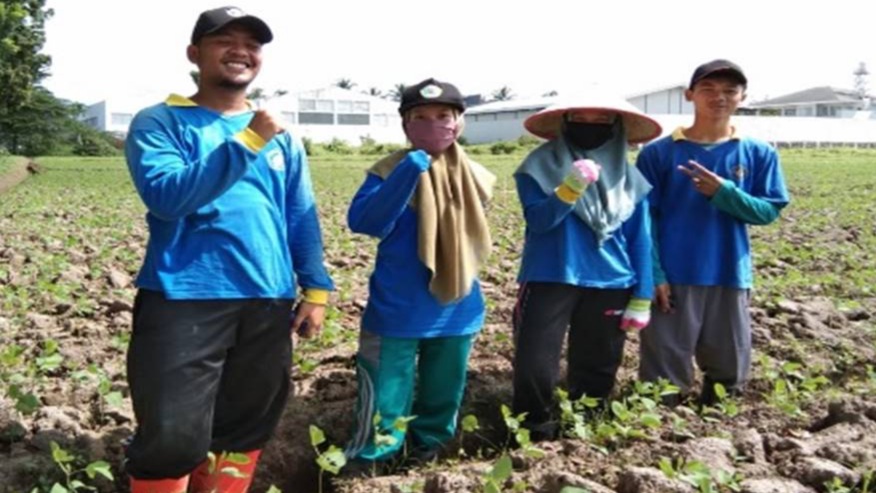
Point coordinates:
[(205, 375), (544, 315)]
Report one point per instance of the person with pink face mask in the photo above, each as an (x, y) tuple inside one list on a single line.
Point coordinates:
[(426, 206)]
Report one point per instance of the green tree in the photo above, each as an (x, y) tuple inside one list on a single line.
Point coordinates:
[(503, 94), (22, 66), (344, 83), (259, 96), (34, 128), (47, 125), (396, 92)]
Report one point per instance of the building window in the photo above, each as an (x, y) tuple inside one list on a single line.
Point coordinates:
[(121, 118), (91, 121), (351, 119), (321, 105), (790, 112), (506, 115), (361, 107), (314, 118), (325, 105), (345, 106)]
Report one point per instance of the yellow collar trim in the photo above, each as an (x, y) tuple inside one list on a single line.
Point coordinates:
[(678, 134), (177, 100)]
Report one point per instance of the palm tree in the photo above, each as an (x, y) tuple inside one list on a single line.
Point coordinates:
[(503, 94), (396, 92), (258, 95), (373, 91), (344, 83), (550, 94)]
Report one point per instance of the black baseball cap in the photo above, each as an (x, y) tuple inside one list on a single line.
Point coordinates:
[(213, 20), (716, 68), (431, 91)]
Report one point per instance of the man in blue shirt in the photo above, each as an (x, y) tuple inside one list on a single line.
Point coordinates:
[(233, 236), (709, 183)]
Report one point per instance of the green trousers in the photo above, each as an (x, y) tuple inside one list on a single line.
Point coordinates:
[(400, 378)]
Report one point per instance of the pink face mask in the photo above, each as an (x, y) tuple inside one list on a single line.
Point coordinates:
[(432, 136)]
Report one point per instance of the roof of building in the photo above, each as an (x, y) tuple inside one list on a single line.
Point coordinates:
[(336, 93), (512, 105), (657, 89), (813, 95)]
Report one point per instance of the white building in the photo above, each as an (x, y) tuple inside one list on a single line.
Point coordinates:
[(824, 101), (320, 115), (113, 115), (335, 113), (663, 101), (503, 120)]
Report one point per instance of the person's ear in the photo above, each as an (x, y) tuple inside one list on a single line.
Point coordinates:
[(688, 95), (192, 53)]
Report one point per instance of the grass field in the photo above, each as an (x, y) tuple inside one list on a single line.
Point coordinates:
[(72, 237)]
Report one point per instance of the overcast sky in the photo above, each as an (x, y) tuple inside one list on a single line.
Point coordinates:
[(103, 49)]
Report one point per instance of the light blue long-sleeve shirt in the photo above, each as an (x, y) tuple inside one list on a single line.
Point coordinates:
[(228, 216)]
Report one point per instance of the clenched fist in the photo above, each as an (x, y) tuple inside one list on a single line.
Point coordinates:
[(265, 124)]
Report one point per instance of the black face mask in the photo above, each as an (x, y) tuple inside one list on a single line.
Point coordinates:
[(588, 136)]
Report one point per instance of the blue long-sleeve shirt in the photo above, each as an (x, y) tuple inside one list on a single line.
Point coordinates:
[(399, 302), (703, 241), (229, 216), (561, 248)]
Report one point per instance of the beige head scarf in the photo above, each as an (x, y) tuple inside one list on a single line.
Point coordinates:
[(453, 236)]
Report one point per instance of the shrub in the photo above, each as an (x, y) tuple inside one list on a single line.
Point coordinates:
[(339, 146), (503, 147)]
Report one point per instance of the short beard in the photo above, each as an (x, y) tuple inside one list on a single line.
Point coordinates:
[(235, 86)]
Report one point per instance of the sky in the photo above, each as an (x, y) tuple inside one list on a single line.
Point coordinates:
[(103, 49)]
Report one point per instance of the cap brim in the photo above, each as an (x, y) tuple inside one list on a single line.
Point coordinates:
[(548, 123), (424, 102)]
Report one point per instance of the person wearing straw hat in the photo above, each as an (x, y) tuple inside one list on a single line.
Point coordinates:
[(710, 183), (426, 206), (586, 266)]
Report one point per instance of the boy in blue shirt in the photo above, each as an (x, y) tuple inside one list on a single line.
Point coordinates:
[(233, 235), (709, 183)]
